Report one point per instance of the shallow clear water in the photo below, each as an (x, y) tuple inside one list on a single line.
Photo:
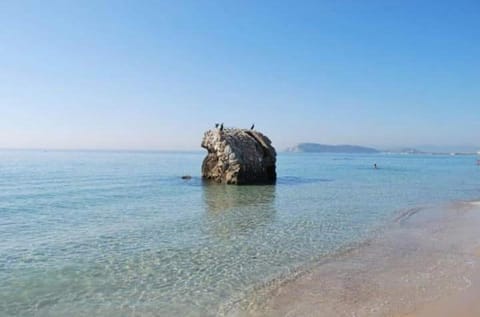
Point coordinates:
[(120, 234)]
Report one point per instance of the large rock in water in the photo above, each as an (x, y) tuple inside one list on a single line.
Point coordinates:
[(238, 156)]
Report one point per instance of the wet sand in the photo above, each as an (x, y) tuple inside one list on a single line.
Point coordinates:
[(423, 265), (460, 304)]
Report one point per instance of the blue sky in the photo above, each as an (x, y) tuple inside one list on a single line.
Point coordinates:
[(156, 75)]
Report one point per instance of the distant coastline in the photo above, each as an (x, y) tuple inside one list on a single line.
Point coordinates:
[(324, 148), (357, 149)]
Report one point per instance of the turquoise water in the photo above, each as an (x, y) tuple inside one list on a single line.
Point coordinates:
[(120, 234)]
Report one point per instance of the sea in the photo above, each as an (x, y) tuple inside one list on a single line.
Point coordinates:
[(118, 233)]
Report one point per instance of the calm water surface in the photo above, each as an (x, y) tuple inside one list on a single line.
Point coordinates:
[(120, 234)]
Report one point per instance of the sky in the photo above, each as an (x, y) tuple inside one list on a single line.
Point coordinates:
[(157, 74)]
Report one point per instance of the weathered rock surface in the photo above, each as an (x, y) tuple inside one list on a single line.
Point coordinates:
[(239, 156)]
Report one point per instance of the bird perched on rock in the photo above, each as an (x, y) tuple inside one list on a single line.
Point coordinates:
[(252, 127), (216, 125), (221, 127)]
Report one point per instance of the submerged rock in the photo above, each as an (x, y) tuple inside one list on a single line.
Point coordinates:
[(238, 156)]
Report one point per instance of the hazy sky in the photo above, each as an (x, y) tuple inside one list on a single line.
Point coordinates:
[(155, 75)]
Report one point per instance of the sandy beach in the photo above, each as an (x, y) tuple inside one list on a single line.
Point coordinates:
[(423, 265)]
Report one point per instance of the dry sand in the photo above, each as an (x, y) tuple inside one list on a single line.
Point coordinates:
[(423, 265)]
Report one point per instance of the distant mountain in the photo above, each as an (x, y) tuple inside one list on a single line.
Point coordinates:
[(324, 148)]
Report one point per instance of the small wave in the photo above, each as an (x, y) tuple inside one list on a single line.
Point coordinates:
[(406, 214)]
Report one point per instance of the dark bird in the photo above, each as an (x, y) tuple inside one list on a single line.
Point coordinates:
[(252, 127), (216, 125), (221, 127)]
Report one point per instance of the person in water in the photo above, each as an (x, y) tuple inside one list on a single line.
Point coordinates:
[(375, 165)]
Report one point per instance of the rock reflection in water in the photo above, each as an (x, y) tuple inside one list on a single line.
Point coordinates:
[(236, 210)]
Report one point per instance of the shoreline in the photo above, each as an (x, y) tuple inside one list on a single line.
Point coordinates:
[(427, 258)]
